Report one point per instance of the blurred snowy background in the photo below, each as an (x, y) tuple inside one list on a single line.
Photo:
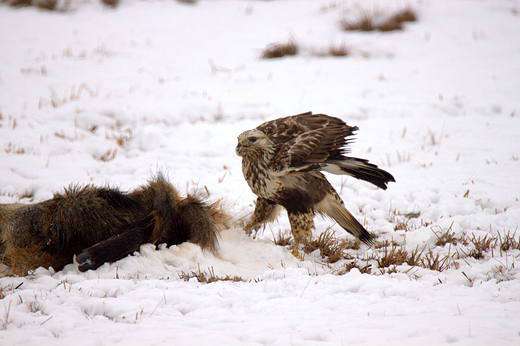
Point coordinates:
[(94, 94)]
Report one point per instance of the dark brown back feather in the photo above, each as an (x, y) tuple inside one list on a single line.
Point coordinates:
[(306, 139)]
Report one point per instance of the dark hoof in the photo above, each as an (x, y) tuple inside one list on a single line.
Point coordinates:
[(84, 260)]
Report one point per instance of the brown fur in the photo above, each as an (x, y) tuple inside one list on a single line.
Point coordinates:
[(103, 224)]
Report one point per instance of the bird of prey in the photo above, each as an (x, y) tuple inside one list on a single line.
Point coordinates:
[(282, 162)]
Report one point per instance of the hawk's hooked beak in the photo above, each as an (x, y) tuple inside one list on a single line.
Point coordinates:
[(240, 147)]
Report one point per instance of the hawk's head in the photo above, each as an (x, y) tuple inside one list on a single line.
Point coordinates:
[(251, 142)]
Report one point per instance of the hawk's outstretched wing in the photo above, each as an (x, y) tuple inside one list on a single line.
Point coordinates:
[(304, 140), (316, 141)]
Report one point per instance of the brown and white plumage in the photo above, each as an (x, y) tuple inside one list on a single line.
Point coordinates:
[(282, 162)]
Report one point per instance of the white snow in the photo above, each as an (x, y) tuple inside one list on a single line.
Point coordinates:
[(99, 95)]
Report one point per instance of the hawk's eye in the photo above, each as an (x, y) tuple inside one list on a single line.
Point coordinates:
[(252, 139)]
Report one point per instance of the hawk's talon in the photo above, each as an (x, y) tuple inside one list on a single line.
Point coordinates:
[(296, 254)]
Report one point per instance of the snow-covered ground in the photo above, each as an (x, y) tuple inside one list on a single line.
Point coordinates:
[(99, 95)]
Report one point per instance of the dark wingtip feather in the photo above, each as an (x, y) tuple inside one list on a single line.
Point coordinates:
[(382, 183), (366, 238)]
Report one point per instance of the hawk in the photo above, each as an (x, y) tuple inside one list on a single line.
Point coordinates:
[(282, 162)]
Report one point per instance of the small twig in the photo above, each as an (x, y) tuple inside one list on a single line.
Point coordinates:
[(308, 282), (41, 324)]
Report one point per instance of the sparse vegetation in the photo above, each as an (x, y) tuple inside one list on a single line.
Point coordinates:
[(111, 3), (109, 155), (413, 259), (434, 261), (121, 137), (18, 150), (401, 221), (279, 50), (392, 256), (448, 237), (56, 101), (341, 50), (282, 239), (348, 266), (330, 247), (4, 322), (20, 3), (209, 276), (481, 246), (377, 20), (51, 5), (388, 256), (508, 242), (365, 22), (407, 14)]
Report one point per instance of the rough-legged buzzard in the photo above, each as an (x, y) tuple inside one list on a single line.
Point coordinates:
[(282, 162)]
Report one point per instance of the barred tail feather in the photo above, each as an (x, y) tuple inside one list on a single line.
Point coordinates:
[(359, 169)]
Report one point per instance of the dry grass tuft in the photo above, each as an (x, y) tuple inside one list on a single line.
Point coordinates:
[(414, 258), (384, 244), (71, 95), (402, 225), (377, 21), (482, 245), (435, 261), (333, 50), (20, 3), (49, 5), (279, 50), (110, 3), (392, 256), (121, 137), (208, 277), (348, 266), (14, 149), (109, 155), (282, 239), (341, 50), (390, 24), (508, 242), (447, 237), (407, 14), (349, 244), (365, 22), (331, 248), (401, 221)]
